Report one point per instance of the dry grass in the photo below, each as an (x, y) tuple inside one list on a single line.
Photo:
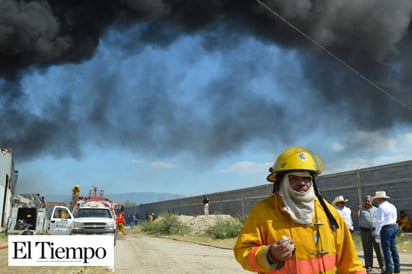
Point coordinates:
[(222, 243), (404, 241), (199, 224)]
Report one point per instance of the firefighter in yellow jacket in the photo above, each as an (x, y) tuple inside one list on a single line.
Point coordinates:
[(75, 191), (295, 230)]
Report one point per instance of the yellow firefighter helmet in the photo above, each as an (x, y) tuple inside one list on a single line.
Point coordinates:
[(296, 158)]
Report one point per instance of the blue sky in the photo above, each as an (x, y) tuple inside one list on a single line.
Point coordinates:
[(204, 111)]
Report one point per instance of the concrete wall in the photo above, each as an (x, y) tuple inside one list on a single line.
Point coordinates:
[(395, 179)]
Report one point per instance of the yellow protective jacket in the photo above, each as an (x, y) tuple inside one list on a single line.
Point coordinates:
[(403, 223), (318, 248)]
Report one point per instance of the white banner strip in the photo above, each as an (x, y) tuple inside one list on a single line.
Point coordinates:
[(61, 250)]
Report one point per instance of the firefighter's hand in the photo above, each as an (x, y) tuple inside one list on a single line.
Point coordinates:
[(282, 250)]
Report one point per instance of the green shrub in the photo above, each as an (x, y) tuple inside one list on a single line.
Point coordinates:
[(167, 225), (242, 218), (224, 229), (357, 240)]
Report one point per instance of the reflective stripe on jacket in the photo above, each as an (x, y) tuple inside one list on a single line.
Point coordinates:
[(318, 248)]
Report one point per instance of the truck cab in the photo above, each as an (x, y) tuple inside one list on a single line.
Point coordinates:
[(94, 217), (61, 221)]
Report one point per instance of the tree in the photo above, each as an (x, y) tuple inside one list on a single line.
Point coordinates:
[(129, 204)]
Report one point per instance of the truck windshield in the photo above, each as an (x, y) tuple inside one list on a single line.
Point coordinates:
[(95, 212)]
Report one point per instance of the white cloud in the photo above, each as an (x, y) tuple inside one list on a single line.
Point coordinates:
[(337, 147), (163, 165), (373, 149), (246, 167), (398, 146), (402, 143), (374, 140), (137, 161)]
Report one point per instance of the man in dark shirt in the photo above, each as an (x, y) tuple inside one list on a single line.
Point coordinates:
[(206, 205), (367, 224)]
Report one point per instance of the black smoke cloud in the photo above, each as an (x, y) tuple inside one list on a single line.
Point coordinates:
[(371, 36)]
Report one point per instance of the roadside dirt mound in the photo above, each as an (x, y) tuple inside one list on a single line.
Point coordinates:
[(199, 224)]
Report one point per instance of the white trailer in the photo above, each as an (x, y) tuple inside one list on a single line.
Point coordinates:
[(8, 180)]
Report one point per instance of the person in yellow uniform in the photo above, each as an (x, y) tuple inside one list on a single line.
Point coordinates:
[(75, 191), (296, 230), (120, 221), (403, 222), (65, 215)]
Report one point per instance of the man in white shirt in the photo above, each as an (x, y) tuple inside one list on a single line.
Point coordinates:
[(345, 212), (386, 231)]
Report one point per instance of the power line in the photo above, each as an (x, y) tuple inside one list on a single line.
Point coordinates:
[(335, 57)]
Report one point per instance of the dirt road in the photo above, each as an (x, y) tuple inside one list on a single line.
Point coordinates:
[(142, 254)]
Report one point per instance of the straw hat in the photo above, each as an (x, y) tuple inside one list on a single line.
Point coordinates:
[(380, 194), (339, 199)]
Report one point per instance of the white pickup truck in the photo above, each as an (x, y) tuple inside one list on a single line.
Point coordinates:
[(61, 221), (93, 217), (30, 215), (94, 214)]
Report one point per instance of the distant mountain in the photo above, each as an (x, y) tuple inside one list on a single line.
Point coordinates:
[(143, 197), (134, 197)]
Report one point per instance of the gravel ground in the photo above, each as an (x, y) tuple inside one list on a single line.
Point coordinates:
[(137, 253)]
